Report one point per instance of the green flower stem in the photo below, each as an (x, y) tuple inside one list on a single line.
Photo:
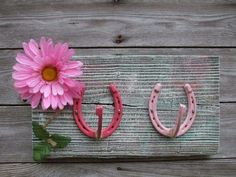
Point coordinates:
[(57, 112)]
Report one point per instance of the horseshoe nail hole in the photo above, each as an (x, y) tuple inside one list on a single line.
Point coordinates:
[(193, 111), (158, 125), (191, 118), (192, 101), (112, 126), (151, 110), (152, 101), (186, 125), (156, 91)]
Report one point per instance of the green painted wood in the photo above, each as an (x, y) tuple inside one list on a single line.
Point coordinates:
[(135, 77)]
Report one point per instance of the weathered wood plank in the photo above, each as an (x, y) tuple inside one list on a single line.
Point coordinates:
[(127, 23), (15, 133), (214, 168), (135, 77), (20, 149), (227, 68)]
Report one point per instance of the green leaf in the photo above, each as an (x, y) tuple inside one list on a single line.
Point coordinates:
[(41, 151), (61, 141), (39, 131)]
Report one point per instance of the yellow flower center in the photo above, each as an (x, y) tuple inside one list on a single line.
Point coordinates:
[(49, 73)]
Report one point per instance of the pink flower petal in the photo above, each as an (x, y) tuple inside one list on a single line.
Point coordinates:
[(47, 90), (46, 102), (72, 73), (80, 63), (68, 55), (63, 99), (54, 90), (54, 101), (72, 65), (65, 88), (20, 84), (69, 82), (22, 68), (60, 79), (35, 100), (57, 49), (61, 106), (38, 87), (33, 46), (49, 48), (42, 88), (23, 59), (39, 61), (26, 96), (60, 89), (33, 82), (27, 50), (68, 98), (57, 89), (46, 46), (43, 46), (76, 92), (20, 76), (22, 90), (64, 48)]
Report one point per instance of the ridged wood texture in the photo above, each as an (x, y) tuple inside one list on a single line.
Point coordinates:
[(135, 77)]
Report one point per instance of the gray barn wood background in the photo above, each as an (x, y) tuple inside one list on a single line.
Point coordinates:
[(121, 27)]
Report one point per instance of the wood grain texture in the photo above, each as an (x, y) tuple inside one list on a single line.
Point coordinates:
[(126, 23), (135, 77), (15, 136), (8, 95), (98, 23), (209, 168)]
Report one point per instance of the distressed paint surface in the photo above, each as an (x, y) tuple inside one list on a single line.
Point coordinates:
[(135, 77)]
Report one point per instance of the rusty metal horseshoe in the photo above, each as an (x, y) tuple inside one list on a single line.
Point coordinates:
[(100, 133), (179, 129)]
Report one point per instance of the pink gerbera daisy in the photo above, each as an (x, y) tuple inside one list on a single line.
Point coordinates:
[(44, 73)]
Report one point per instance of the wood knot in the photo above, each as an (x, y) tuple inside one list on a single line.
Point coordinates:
[(119, 168), (119, 38)]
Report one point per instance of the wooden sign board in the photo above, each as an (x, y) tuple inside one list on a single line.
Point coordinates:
[(135, 77)]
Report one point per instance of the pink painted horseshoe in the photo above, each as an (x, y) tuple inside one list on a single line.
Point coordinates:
[(179, 129), (100, 133)]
